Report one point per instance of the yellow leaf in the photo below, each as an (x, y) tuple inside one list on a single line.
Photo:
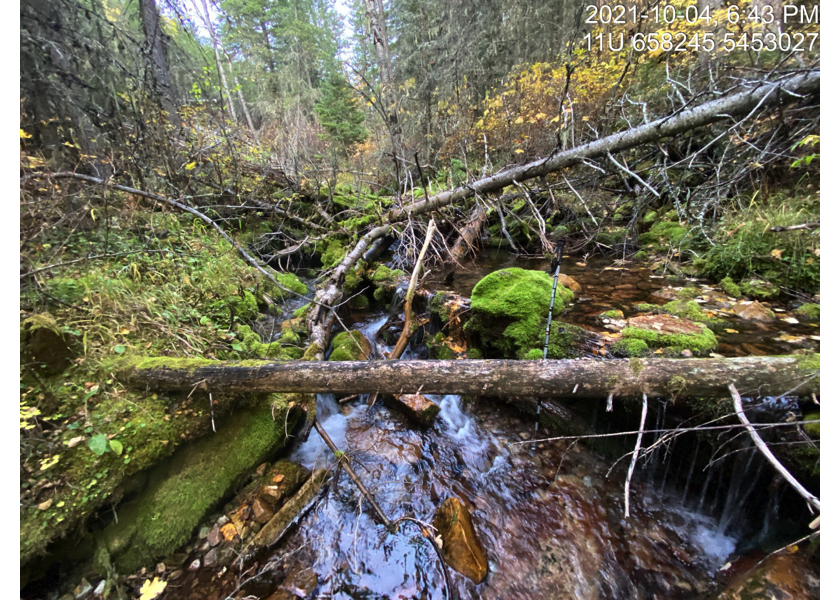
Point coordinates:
[(229, 531), (540, 116), (731, 330), (776, 253), (519, 120), (585, 118), (190, 166), (555, 119), (24, 135), (152, 589), (124, 331), (519, 151)]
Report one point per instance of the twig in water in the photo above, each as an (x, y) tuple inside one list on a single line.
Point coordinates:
[(635, 456), (739, 410)]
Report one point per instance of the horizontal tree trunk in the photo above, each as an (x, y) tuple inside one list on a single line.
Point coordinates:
[(658, 377)]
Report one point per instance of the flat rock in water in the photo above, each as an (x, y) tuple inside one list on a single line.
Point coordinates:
[(754, 311), (569, 282), (416, 407), (461, 549), (665, 324)]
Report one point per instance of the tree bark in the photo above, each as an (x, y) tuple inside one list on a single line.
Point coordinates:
[(155, 40), (222, 77), (658, 377), (469, 234)]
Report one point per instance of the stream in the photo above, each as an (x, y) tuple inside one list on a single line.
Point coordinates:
[(550, 514)]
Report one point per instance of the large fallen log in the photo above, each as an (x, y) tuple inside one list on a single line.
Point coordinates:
[(585, 378), (728, 107)]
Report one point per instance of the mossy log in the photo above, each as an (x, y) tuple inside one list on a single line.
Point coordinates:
[(583, 378)]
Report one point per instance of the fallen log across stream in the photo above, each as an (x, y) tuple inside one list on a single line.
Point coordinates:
[(582, 378)]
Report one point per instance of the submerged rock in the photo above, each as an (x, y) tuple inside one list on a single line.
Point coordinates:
[(461, 549), (416, 407), (754, 311), (569, 282)]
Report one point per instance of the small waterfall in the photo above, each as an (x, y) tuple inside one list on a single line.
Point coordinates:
[(314, 452), (737, 499), (771, 513), (702, 502), (690, 473)]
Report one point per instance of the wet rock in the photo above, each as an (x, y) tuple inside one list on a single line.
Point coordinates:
[(570, 283), (82, 590), (211, 558), (781, 577), (666, 331), (261, 469), (416, 407), (461, 549), (202, 533), (351, 345), (754, 311), (223, 520), (214, 537), (271, 494), (99, 591), (262, 511), (278, 523), (195, 565), (176, 574)]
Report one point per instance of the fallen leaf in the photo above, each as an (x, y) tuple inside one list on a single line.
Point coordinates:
[(793, 339), (72, 443), (152, 589), (791, 320), (731, 331), (45, 505), (229, 531), (776, 253)]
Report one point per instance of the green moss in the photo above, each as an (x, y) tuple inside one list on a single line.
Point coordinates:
[(808, 311), (688, 293), (641, 256), (332, 252), (350, 346), (533, 354), (510, 309), (612, 237), (311, 352), (636, 366), (650, 217), (302, 311), (612, 314), (730, 288), (251, 346), (759, 289), (630, 348), (812, 429), (665, 234), (475, 354), (352, 281), (645, 307), (384, 275), (437, 305), (700, 343), (359, 302), (290, 281), (382, 295), (183, 491), (689, 309)]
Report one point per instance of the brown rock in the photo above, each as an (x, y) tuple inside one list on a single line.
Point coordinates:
[(211, 558), (262, 511), (570, 283), (416, 407), (665, 324), (215, 535), (461, 549), (754, 311), (271, 494)]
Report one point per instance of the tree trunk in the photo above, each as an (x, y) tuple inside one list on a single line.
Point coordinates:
[(724, 108), (658, 377), (375, 14), (155, 46), (466, 242), (219, 66)]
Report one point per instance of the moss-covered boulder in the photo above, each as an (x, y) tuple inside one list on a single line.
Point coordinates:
[(729, 287), (183, 490), (290, 282), (350, 346), (43, 345), (759, 289), (690, 310), (666, 331), (630, 348), (664, 234), (808, 312), (509, 313)]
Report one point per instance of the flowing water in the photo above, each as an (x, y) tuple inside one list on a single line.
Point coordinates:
[(550, 514)]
